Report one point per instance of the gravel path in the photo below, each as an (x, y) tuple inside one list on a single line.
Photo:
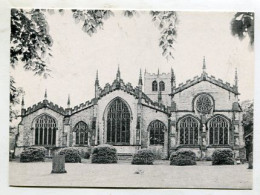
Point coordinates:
[(160, 175)]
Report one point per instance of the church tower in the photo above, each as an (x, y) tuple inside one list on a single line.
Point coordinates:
[(158, 86)]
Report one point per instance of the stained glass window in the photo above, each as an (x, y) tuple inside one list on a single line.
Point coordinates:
[(218, 131), (118, 123), (203, 104), (162, 86), (188, 128), (81, 130), (154, 86), (45, 130), (156, 129)]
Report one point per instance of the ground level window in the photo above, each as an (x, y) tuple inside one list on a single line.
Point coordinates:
[(156, 130), (45, 130), (81, 130), (189, 131), (218, 131)]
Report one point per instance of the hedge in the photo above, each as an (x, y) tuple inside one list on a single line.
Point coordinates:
[(33, 154), (143, 157), (222, 157), (104, 154), (71, 155), (183, 158)]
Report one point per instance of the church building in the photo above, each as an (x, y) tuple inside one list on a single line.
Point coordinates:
[(202, 114)]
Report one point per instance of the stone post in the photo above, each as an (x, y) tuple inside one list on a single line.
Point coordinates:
[(250, 161), (58, 164)]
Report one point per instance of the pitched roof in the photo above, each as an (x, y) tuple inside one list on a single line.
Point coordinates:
[(205, 77)]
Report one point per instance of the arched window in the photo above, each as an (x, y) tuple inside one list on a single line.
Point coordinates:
[(218, 131), (81, 130), (189, 131), (156, 129), (154, 86), (45, 131), (118, 123), (162, 86)]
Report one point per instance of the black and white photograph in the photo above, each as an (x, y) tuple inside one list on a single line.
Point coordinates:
[(108, 98)]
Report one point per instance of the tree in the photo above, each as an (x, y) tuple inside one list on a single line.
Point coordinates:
[(248, 123), (166, 22), (15, 94), (243, 24), (31, 42)]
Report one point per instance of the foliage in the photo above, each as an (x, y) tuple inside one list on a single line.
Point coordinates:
[(248, 113), (166, 22), (71, 155), (86, 155), (30, 40), (183, 158), (104, 154), (129, 14), (84, 152), (242, 24), (222, 157), (92, 19), (143, 157), (15, 94), (33, 154)]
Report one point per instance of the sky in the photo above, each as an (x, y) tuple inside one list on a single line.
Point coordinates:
[(132, 44)]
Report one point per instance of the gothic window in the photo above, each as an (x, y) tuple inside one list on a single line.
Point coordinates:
[(154, 86), (45, 131), (204, 104), (162, 86), (156, 129), (189, 131), (81, 130), (218, 131), (118, 123)]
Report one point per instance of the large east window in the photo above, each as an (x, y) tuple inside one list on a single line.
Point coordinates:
[(189, 131), (45, 131), (218, 131), (118, 123)]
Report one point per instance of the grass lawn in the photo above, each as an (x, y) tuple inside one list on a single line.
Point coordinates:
[(123, 174)]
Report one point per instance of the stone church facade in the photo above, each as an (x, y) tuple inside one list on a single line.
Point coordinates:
[(202, 115)]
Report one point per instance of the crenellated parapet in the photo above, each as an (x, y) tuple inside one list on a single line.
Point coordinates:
[(83, 106), (118, 84), (44, 104), (205, 77)]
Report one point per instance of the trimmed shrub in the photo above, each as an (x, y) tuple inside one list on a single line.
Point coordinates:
[(209, 158), (104, 154), (222, 157), (33, 154), (86, 155), (183, 158), (71, 155), (143, 157), (84, 152)]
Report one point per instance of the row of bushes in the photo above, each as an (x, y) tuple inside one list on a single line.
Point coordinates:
[(104, 154)]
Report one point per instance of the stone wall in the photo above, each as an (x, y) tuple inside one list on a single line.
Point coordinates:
[(223, 98), (26, 129)]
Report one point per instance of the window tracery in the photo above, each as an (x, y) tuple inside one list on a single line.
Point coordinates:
[(45, 130), (118, 123), (156, 129)]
